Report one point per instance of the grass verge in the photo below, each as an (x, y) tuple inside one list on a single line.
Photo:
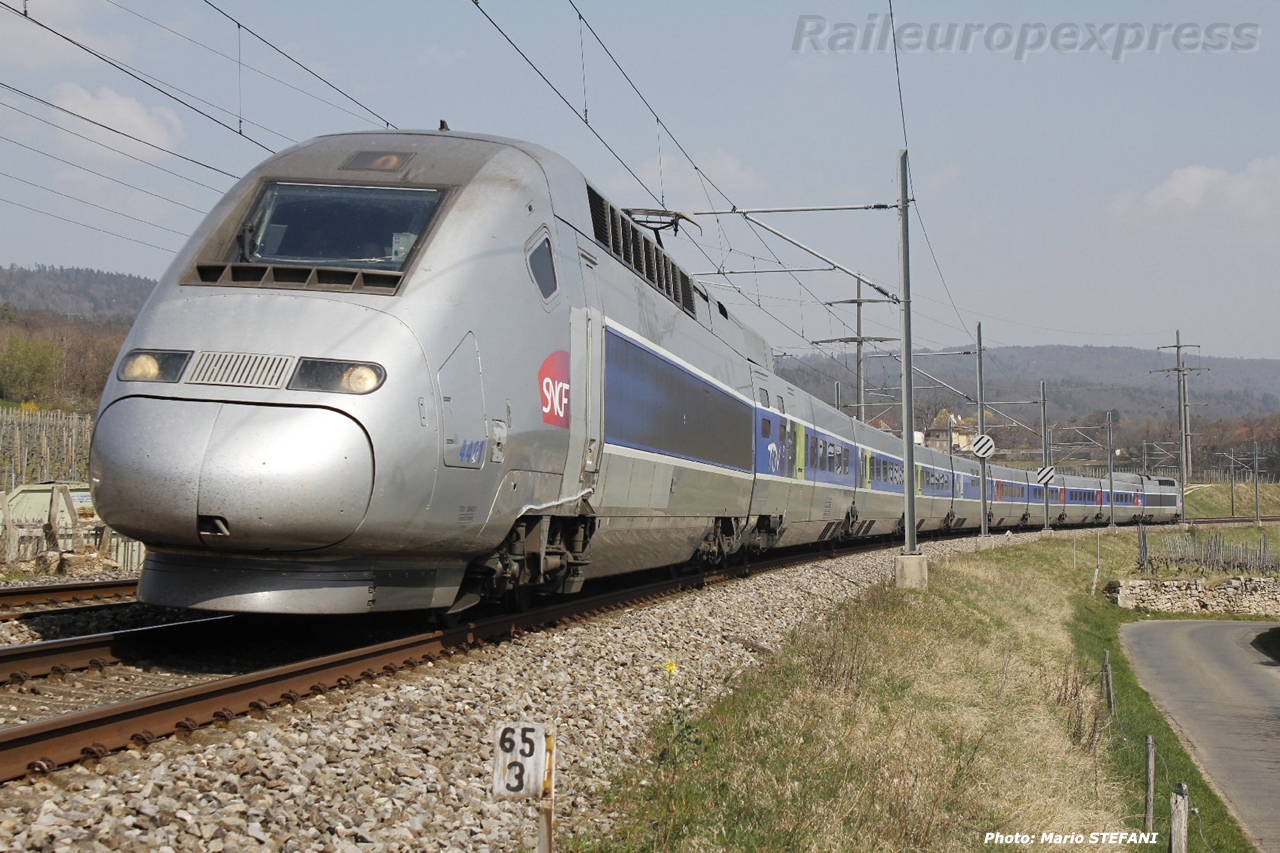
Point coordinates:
[(922, 721), (1214, 500)]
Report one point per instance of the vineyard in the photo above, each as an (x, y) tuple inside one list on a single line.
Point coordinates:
[(38, 446)]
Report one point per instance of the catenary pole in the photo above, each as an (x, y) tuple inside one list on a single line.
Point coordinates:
[(908, 407), (1111, 472), (1232, 471), (1257, 504), (982, 430), (862, 384), (1045, 459)]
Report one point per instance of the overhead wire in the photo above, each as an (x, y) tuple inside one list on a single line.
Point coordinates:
[(90, 227), (93, 204), (136, 76), (902, 112), (101, 175), (109, 148), (114, 130), (679, 146), (702, 174), (244, 65), (240, 118), (300, 64)]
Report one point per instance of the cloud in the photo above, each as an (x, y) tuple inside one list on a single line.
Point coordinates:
[(1206, 199), (435, 55), (25, 46), (157, 125)]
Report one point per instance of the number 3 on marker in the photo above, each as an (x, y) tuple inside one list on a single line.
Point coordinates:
[(516, 771)]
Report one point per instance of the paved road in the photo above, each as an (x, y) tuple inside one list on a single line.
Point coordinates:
[(1224, 696)]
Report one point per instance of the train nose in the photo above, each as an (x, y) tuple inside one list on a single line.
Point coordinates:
[(228, 476)]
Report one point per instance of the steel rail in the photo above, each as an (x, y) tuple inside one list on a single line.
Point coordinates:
[(23, 662), (44, 745), (61, 611), (16, 601)]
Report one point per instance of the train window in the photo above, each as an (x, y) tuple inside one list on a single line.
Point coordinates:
[(764, 398), (822, 455), (781, 406), (766, 427), (363, 227), (846, 460), (813, 451), (543, 269)]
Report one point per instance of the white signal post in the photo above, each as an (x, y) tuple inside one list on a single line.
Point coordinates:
[(524, 767)]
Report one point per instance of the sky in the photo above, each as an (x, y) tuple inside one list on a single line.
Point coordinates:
[(1104, 196)]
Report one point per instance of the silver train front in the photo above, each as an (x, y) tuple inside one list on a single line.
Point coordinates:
[(253, 494)]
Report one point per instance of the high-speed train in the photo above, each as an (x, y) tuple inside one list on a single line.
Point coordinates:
[(415, 370)]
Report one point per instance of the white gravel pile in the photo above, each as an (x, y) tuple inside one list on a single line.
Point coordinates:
[(403, 764)]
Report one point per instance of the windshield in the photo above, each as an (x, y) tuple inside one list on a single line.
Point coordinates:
[(320, 225)]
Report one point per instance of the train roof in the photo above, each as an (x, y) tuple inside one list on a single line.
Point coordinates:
[(456, 158)]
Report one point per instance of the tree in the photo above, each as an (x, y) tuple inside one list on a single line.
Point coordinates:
[(29, 368)]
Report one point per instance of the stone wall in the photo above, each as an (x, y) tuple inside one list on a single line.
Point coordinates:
[(1258, 596)]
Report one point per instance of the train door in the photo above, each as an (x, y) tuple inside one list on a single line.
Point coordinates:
[(585, 398), (954, 479), (800, 493), (773, 447)]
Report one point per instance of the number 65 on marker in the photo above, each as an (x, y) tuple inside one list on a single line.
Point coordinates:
[(519, 760)]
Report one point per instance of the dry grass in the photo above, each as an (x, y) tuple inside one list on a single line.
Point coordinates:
[(1214, 501), (901, 722)]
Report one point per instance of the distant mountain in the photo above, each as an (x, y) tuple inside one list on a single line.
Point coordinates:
[(74, 291), (1081, 380)]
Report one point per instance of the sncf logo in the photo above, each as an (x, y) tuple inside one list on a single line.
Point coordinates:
[(553, 380)]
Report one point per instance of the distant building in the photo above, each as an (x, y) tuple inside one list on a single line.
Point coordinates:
[(961, 433)]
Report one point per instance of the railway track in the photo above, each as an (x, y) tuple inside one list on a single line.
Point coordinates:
[(44, 745), (20, 601)]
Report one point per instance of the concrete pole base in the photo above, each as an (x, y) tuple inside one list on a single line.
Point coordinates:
[(911, 571), (1113, 528), (984, 543)]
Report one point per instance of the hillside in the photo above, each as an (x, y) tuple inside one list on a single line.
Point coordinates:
[(71, 291), (1080, 380)]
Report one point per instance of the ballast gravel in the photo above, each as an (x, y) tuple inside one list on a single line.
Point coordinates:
[(53, 625), (404, 763)]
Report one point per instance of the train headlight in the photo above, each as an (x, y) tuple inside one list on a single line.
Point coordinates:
[(342, 377), (153, 365)]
